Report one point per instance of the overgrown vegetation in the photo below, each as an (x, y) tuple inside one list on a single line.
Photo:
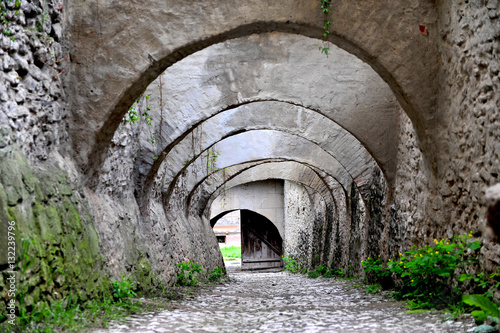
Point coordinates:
[(435, 277), (189, 273), (192, 274), (231, 252), (71, 314)]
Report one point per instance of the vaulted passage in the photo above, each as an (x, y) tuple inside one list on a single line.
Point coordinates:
[(122, 144)]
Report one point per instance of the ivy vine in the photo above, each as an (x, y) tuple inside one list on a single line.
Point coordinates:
[(325, 9), (132, 116)]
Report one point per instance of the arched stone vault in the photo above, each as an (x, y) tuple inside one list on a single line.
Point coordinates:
[(289, 119), (286, 170), (254, 146), (117, 78), (341, 88), (215, 203), (279, 116)]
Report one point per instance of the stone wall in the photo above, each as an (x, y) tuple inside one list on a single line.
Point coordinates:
[(40, 188), (33, 108), (470, 124), (309, 224)]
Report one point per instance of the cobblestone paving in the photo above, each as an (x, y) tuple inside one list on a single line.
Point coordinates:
[(282, 302)]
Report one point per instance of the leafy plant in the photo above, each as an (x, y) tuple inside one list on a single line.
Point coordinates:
[(216, 275), (486, 284), (489, 310), (188, 273), (373, 288), (124, 289), (212, 156), (425, 276), (291, 265), (319, 271), (325, 9)]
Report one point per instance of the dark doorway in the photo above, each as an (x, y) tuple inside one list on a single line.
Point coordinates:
[(261, 243)]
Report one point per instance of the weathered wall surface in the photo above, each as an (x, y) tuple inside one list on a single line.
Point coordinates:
[(299, 214), (427, 207), (33, 62), (309, 222), (40, 188), (470, 101), (168, 31)]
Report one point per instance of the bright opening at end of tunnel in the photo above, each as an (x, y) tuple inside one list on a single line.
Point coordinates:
[(227, 230)]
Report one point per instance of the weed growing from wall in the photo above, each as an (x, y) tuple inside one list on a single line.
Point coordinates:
[(293, 266), (325, 9), (189, 273), (216, 275)]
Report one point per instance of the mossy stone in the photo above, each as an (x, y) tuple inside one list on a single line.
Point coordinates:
[(29, 181), (72, 216), (11, 179)]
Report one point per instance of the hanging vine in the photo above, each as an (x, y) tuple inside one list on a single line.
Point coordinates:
[(161, 112), (325, 8)]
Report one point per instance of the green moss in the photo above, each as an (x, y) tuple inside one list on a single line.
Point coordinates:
[(63, 186), (72, 217), (11, 179), (29, 182), (63, 248)]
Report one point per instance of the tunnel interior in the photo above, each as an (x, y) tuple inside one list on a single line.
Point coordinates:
[(119, 152)]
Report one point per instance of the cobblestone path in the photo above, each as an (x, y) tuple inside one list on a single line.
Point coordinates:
[(281, 302)]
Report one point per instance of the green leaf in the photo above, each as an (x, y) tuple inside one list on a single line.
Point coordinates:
[(490, 308), (479, 316), (464, 277)]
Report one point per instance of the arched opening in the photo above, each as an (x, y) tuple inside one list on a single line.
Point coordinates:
[(261, 243)]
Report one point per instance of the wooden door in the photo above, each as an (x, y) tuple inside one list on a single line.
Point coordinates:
[(261, 243)]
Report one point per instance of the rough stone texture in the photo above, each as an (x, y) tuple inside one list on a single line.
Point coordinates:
[(299, 214), (281, 302), (309, 222), (264, 197), (470, 102), (437, 153), (40, 187), (33, 60), (53, 227)]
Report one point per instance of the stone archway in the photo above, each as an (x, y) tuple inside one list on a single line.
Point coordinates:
[(123, 76)]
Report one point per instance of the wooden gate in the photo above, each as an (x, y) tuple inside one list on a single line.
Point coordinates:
[(261, 243)]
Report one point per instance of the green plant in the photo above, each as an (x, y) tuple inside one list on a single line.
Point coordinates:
[(188, 273), (373, 288), (489, 310), (123, 290), (485, 283), (216, 274), (319, 271), (212, 156), (292, 266), (325, 9), (426, 277)]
